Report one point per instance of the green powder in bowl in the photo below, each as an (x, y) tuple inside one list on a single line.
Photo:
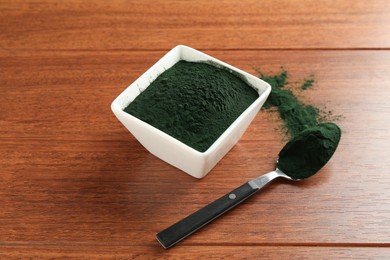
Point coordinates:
[(193, 102), (189, 109)]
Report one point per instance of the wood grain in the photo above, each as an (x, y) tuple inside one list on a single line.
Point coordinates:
[(192, 252), (229, 24), (71, 174), (75, 184)]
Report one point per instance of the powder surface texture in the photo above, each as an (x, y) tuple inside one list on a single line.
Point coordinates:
[(193, 102), (309, 151)]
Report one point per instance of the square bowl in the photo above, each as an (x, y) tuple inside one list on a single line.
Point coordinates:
[(166, 147)]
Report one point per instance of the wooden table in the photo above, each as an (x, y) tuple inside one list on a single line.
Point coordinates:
[(75, 183)]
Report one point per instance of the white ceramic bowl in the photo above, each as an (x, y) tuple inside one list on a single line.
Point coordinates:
[(169, 149)]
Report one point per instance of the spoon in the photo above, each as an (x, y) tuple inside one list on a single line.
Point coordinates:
[(311, 150)]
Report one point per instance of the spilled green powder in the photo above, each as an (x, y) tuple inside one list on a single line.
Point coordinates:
[(193, 102), (312, 140), (296, 115), (307, 84), (309, 151)]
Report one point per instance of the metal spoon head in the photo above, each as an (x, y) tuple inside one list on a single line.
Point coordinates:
[(307, 153)]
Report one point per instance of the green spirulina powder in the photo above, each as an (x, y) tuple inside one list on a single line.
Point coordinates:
[(296, 115), (309, 151), (312, 142), (193, 102)]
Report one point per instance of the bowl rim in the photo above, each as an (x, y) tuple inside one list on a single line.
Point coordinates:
[(116, 107)]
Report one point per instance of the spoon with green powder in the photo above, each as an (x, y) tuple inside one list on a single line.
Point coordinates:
[(300, 158)]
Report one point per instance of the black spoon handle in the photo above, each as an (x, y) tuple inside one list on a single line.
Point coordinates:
[(200, 218)]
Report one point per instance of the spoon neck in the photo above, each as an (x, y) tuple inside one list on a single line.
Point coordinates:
[(263, 180)]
